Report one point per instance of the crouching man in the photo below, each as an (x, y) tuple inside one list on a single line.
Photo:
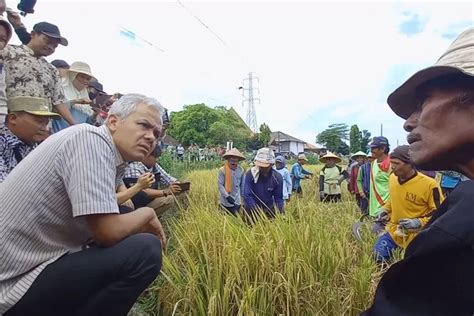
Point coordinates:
[(60, 199), (413, 199), (159, 195)]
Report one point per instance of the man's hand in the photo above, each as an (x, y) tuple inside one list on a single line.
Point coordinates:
[(174, 188), (145, 180), (383, 216), (230, 200), (154, 227), (14, 19), (362, 195), (410, 223)]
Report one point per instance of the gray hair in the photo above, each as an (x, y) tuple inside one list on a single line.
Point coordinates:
[(127, 105)]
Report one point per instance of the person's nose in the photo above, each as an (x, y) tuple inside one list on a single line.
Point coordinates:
[(412, 121)]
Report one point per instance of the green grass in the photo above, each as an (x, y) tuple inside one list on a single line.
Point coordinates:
[(303, 263)]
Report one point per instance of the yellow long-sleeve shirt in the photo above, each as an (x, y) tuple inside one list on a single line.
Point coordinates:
[(415, 198)]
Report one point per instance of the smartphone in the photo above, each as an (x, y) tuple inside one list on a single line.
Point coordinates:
[(185, 186)]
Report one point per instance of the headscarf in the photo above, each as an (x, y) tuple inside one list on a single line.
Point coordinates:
[(72, 93), (281, 160), (228, 177)]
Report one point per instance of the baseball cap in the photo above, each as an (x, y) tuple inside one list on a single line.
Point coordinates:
[(379, 141), (50, 30), (94, 83), (302, 157), (32, 105), (59, 63)]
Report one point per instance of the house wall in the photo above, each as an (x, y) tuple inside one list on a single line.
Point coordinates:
[(296, 147)]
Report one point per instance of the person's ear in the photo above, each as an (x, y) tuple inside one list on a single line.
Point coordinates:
[(12, 119), (112, 122)]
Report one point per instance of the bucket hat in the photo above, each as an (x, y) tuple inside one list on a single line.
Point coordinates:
[(234, 152), (265, 157), (328, 155), (458, 59), (81, 68), (32, 105)]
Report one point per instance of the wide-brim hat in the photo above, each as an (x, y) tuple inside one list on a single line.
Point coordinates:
[(359, 154), (458, 59), (234, 152), (32, 105), (81, 68), (265, 157), (8, 27), (328, 155)]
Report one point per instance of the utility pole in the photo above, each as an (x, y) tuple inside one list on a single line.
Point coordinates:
[(248, 90), (381, 129)]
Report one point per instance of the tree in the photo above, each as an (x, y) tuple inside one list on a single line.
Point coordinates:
[(254, 143), (365, 140), (355, 139), (333, 138), (203, 125), (265, 134)]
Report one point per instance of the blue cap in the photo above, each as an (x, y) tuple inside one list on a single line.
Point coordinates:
[(379, 141)]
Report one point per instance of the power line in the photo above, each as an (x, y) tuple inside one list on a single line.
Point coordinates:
[(202, 22), (133, 36)]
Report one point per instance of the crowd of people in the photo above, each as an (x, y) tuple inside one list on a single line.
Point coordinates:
[(194, 153), (81, 188)]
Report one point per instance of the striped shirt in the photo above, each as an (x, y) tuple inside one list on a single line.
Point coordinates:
[(43, 200)]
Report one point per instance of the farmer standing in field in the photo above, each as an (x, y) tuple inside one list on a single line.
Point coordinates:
[(359, 158), (379, 175), (436, 277), (299, 173), (263, 188), (363, 183), (230, 181), (280, 167), (330, 178), (414, 197)]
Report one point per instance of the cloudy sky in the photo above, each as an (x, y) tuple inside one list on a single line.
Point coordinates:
[(318, 62)]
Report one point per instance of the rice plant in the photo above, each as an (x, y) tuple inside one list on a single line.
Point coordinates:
[(303, 263)]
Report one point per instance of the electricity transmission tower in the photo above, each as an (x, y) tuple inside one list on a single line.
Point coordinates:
[(248, 92)]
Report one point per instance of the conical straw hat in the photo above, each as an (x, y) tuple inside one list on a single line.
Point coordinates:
[(233, 153), (324, 158), (359, 153)]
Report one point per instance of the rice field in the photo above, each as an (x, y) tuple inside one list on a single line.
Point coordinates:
[(303, 263)]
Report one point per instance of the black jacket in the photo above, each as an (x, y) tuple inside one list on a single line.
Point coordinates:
[(436, 277)]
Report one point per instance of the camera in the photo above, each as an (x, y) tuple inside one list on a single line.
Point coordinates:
[(26, 6), (165, 118)]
